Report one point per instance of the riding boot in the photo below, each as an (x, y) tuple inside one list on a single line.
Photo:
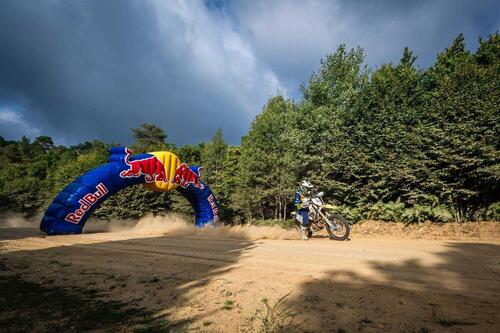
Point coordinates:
[(303, 233)]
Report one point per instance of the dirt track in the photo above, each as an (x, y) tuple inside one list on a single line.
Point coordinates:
[(217, 283)]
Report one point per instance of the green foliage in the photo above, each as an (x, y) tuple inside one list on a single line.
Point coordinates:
[(493, 212), (74, 166), (421, 213), (212, 157), (190, 154), (352, 213), (134, 202), (227, 184), (149, 137), (277, 317), (390, 211), (29, 186), (397, 143), (264, 177), (489, 213), (396, 211)]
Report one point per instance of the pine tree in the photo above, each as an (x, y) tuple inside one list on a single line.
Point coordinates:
[(212, 157), (149, 137), (265, 179), (462, 138)]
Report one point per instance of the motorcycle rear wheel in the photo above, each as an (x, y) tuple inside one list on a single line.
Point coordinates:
[(341, 232)]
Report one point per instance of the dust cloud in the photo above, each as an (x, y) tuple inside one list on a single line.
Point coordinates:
[(177, 226), (171, 224), (17, 220)]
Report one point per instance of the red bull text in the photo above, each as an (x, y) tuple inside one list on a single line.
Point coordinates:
[(215, 209), (151, 167), (86, 203)]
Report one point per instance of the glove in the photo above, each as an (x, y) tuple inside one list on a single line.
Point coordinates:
[(306, 202)]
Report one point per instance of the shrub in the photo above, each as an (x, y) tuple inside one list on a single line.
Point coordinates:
[(421, 213), (390, 211), (493, 212)]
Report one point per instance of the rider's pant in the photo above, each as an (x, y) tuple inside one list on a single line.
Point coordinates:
[(303, 216)]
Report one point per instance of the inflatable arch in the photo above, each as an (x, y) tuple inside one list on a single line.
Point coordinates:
[(158, 171)]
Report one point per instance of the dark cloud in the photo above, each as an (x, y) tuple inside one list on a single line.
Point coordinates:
[(291, 35), (92, 69), (384, 28)]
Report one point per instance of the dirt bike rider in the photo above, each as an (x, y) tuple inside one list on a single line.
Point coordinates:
[(301, 202)]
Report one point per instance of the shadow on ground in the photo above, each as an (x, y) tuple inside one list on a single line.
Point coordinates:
[(17, 233), (175, 283), (461, 293), (133, 285)]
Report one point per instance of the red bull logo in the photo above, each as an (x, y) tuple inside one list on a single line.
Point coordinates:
[(86, 203), (185, 176), (151, 167)]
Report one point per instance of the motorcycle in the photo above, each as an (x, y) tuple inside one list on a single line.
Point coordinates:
[(322, 216)]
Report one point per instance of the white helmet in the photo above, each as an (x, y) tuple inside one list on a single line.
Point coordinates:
[(305, 186)]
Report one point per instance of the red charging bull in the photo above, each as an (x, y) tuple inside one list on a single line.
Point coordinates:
[(151, 167), (185, 176)]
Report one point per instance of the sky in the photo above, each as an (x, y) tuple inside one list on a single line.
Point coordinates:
[(91, 70)]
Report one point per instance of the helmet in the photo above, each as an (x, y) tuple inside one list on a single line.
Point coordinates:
[(305, 186)]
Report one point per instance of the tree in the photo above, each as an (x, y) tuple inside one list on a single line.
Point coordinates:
[(227, 185), (44, 142), (212, 157), (25, 148), (383, 124), (190, 154), (408, 58), (320, 139), (149, 137), (462, 108), (134, 202), (265, 182)]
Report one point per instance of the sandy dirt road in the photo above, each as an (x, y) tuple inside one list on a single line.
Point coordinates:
[(220, 283)]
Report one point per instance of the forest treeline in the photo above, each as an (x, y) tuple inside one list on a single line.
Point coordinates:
[(395, 143)]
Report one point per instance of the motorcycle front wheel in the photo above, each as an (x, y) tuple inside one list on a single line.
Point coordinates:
[(340, 229)]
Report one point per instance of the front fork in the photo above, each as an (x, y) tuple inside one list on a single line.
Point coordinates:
[(327, 220)]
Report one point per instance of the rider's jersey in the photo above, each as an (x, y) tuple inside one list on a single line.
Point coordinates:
[(298, 200)]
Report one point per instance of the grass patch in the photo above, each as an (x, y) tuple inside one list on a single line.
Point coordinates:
[(228, 304), (278, 317)]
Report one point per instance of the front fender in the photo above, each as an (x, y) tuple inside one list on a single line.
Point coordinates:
[(328, 206)]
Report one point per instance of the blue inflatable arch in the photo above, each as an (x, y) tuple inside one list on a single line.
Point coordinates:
[(159, 171)]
